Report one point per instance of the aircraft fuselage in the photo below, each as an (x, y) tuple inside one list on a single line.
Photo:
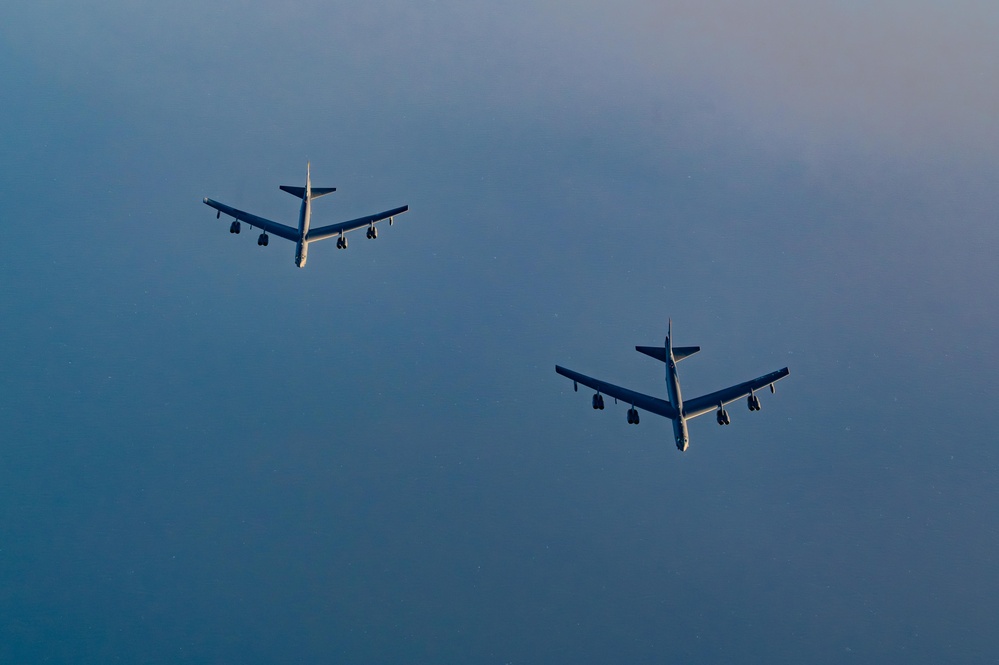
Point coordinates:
[(676, 399), (304, 218)]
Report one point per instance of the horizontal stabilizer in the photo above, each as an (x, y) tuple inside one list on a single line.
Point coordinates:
[(300, 191), (681, 352), (659, 352)]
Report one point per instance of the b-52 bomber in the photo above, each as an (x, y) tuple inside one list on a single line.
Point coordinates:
[(304, 235), (676, 409)]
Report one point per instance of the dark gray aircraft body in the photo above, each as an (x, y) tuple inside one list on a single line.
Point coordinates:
[(304, 235), (676, 409)]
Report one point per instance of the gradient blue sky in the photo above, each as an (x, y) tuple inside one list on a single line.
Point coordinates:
[(212, 456)]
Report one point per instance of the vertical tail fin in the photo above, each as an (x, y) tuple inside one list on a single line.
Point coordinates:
[(308, 179), (668, 350)]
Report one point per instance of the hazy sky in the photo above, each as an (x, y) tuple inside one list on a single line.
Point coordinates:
[(210, 456)]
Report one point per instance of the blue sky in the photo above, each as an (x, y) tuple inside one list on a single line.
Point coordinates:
[(212, 456)]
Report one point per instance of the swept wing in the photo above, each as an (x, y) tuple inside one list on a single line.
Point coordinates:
[(701, 405), (259, 222), (324, 232), (651, 404)]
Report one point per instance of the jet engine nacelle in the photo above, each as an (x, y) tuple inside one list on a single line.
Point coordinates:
[(722, 416)]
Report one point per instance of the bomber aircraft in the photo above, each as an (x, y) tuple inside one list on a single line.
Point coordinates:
[(304, 235), (676, 409)]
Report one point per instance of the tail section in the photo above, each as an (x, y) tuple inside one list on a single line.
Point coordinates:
[(659, 352), (300, 191), (662, 353), (308, 190)]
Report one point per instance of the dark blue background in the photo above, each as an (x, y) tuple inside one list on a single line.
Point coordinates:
[(211, 456)]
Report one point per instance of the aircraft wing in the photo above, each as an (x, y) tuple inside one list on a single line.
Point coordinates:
[(324, 232), (651, 404), (701, 405), (259, 222)]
